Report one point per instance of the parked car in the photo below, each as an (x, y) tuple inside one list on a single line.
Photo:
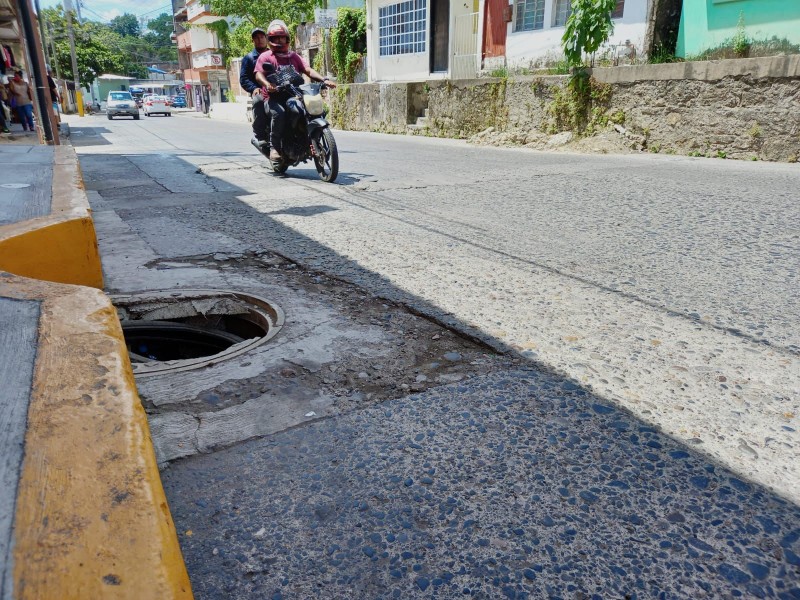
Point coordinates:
[(120, 104), (179, 101), (157, 105)]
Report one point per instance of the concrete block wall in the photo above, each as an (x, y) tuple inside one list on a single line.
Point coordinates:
[(746, 108)]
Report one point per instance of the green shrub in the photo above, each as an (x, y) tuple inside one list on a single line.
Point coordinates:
[(349, 42)]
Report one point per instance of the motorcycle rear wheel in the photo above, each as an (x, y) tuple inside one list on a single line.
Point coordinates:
[(327, 158)]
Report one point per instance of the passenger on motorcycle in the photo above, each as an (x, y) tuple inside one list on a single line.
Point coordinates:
[(279, 55), (248, 82)]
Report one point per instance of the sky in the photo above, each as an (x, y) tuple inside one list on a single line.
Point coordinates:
[(105, 10)]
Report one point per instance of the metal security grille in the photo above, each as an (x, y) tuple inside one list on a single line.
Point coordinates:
[(561, 13), (465, 47), (402, 28), (530, 15)]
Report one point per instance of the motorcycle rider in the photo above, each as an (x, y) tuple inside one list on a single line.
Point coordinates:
[(276, 56), (249, 84)]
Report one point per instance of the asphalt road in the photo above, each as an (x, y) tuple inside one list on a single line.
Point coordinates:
[(664, 286)]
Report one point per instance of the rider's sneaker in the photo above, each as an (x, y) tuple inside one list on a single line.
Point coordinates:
[(274, 155)]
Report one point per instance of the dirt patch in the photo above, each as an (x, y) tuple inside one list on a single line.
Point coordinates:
[(605, 142)]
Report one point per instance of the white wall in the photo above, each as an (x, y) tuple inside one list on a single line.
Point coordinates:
[(406, 67), (203, 38), (525, 47)]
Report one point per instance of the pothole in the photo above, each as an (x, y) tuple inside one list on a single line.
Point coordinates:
[(169, 331)]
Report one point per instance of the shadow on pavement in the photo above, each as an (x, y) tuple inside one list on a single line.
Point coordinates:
[(519, 484)]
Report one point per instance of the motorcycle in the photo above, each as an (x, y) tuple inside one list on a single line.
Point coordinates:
[(307, 135)]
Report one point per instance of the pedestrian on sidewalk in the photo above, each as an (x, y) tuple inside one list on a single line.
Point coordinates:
[(3, 103), (22, 100)]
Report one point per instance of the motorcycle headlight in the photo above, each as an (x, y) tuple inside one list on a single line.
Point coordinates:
[(314, 104)]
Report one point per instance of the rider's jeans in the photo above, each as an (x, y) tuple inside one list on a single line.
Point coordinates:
[(260, 119), (278, 112)]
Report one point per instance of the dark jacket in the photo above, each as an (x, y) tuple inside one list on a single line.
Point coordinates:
[(247, 76)]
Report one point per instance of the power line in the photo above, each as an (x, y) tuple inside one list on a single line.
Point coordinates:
[(83, 4), (94, 13)]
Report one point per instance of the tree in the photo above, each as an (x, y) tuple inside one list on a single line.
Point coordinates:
[(156, 43), (161, 27), (126, 25), (236, 41), (98, 48), (349, 42), (258, 13), (589, 26)]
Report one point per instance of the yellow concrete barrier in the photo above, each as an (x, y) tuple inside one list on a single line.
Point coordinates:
[(91, 518), (60, 246)]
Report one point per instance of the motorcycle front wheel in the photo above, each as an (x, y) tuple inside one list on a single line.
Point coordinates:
[(327, 157)]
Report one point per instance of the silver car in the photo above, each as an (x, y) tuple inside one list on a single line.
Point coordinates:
[(121, 104)]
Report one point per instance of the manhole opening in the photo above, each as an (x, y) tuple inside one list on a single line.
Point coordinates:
[(169, 331)]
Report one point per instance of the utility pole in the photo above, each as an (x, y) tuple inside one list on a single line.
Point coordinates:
[(75, 76), (34, 49), (53, 51), (40, 19)]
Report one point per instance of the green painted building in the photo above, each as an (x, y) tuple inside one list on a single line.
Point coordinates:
[(707, 24), (108, 83)]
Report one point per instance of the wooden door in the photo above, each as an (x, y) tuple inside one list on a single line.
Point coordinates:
[(495, 27), (440, 35)]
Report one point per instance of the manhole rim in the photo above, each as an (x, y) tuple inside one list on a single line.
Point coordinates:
[(267, 307)]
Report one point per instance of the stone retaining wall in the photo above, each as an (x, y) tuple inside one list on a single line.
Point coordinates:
[(747, 108)]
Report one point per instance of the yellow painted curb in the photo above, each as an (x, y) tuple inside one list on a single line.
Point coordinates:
[(91, 517), (61, 246)]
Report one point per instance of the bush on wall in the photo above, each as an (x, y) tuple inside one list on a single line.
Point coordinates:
[(349, 41)]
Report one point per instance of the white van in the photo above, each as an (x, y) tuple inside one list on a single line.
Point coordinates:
[(120, 104)]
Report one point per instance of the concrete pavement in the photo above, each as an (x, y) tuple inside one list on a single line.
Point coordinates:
[(518, 484), (530, 482)]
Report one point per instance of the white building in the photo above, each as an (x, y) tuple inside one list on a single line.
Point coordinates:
[(412, 40)]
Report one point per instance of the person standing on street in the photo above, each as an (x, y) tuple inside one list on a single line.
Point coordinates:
[(54, 97), (22, 97), (247, 80)]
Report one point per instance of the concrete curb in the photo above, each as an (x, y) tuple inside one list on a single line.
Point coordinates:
[(61, 246), (84, 513), (91, 518)]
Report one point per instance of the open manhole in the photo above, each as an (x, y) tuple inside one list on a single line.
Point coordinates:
[(186, 329)]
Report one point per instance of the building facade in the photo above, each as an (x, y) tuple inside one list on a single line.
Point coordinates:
[(199, 57), (413, 40), (706, 24)]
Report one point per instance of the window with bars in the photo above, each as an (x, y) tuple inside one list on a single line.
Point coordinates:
[(401, 28), (561, 12), (618, 10), (530, 15)]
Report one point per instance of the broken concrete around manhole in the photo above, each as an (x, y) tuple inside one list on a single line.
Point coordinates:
[(339, 349), (245, 320)]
